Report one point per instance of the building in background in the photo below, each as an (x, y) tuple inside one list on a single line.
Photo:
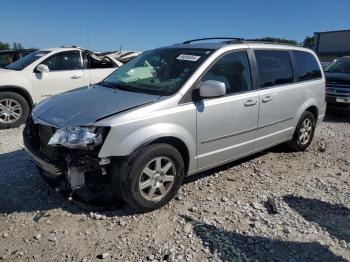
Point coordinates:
[(332, 44)]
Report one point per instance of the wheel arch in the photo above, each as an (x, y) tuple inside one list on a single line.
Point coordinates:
[(178, 144), (314, 110), (19, 90), (309, 105)]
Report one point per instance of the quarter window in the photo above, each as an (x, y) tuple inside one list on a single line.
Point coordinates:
[(307, 67), (275, 67), (233, 70), (64, 61)]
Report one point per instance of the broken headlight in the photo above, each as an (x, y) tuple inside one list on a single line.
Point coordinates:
[(77, 137)]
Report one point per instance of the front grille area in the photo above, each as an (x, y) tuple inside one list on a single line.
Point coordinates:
[(59, 160), (338, 89), (45, 133), (38, 136)]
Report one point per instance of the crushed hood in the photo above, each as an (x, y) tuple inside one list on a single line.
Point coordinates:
[(84, 107)]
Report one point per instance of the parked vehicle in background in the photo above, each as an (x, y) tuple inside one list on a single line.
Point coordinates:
[(9, 56), (324, 64), (177, 111), (331, 44), (48, 72), (338, 84)]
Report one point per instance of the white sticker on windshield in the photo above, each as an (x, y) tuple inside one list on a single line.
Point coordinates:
[(192, 58), (40, 54)]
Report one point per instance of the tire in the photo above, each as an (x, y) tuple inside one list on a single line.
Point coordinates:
[(148, 189), (299, 142), (11, 105)]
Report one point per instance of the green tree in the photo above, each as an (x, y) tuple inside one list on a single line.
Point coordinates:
[(309, 42), (4, 46), (17, 46), (279, 40)]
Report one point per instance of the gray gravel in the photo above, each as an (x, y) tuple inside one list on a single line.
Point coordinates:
[(221, 215)]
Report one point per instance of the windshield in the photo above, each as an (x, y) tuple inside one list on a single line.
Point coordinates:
[(27, 60), (341, 65), (159, 71)]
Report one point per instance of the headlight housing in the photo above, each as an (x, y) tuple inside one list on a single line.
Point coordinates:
[(77, 137)]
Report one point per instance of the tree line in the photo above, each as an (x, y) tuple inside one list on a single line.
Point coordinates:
[(7, 46)]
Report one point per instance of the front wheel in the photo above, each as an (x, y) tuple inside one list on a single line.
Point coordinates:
[(14, 110), (152, 178), (304, 132)]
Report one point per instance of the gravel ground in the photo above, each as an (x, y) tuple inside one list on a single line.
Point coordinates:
[(224, 214)]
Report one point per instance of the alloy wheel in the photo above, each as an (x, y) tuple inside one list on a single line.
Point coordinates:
[(157, 178), (10, 111), (305, 131)]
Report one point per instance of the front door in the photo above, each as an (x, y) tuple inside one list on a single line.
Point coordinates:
[(226, 126), (65, 73)]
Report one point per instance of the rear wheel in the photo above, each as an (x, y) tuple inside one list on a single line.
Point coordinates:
[(304, 132), (152, 178), (14, 110)]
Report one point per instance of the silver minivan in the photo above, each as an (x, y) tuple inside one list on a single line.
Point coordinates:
[(176, 111)]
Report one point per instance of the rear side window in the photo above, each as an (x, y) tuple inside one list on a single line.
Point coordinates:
[(64, 61), (307, 67), (275, 67)]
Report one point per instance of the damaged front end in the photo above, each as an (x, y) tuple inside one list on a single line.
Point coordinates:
[(69, 156)]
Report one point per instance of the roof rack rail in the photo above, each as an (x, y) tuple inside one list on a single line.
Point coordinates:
[(214, 38), (237, 40), (263, 41)]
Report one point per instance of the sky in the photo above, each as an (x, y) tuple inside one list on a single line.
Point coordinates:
[(141, 25)]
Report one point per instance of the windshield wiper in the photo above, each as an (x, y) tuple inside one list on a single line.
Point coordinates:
[(120, 87)]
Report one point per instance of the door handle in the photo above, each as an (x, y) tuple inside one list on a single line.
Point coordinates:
[(266, 99), (75, 77), (250, 102)]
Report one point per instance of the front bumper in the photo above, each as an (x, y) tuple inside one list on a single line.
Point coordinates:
[(78, 168), (41, 161), (340, 103)]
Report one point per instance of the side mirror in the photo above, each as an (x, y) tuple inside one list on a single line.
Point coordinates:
[(42, 68), (212, 88)]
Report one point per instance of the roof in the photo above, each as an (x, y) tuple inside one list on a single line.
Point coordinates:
[(335, 31), (60, 48)]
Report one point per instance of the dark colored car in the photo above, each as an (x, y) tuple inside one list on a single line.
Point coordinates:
[(338, 84), (9, 56)]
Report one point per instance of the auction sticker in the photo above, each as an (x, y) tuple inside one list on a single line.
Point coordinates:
[(192, 58)]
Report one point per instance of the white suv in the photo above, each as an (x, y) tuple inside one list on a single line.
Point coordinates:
[(48, 72)]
